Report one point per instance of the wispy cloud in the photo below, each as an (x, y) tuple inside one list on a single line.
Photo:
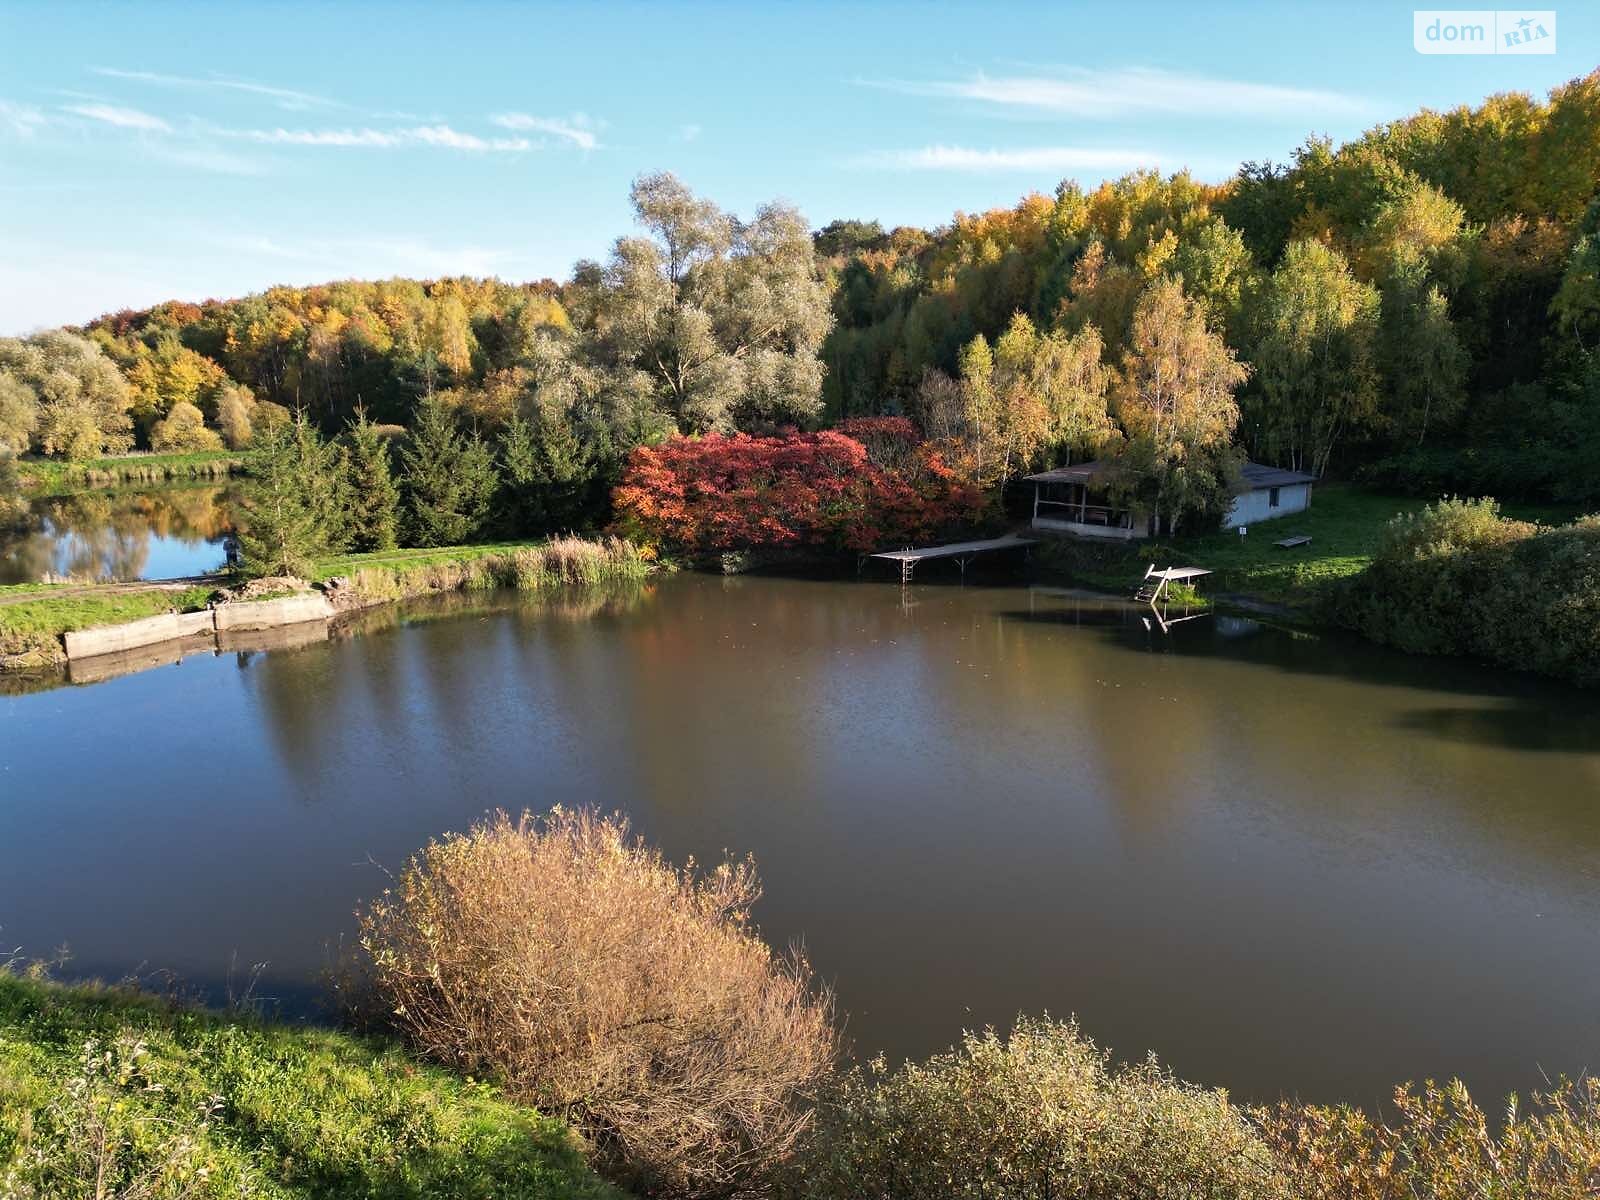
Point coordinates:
[(205, 157), (689, 133), (372, 256), (1034, 158), (1132, 91), (443, 136), (285, 97), (578, 129), (23, 120), (122, 118)]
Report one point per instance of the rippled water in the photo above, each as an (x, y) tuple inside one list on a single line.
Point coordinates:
[(1285, 863)]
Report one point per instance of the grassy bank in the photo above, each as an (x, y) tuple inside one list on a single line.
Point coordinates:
[(53, 477), (1346, 524), (34, 616), (400, 574), (105, 1092)]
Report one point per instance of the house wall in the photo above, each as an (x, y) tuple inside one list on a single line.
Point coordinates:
[(1255, 507)]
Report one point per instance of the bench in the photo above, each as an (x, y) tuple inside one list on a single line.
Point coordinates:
[(1289, 543)]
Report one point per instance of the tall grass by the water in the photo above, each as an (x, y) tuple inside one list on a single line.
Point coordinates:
[(47, 477), (561, 561)]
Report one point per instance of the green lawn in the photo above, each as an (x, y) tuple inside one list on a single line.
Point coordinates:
[(57, 611), (177, 1101), (1345, 523)]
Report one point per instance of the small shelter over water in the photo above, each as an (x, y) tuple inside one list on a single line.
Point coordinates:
[(1076, 500)]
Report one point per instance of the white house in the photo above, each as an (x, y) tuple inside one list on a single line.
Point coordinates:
[(1073, 500), (1270, 492)]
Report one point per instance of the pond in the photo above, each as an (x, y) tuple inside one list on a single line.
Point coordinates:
[(1285, 863), (118, 536)]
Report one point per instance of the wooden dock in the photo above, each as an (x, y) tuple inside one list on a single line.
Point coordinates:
[(962, 552), (1155, 582)]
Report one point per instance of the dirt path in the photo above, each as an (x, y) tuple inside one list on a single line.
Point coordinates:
[(74, 591)]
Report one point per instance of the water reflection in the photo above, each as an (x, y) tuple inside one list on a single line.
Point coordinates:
[(119, 536), (1286, 863)]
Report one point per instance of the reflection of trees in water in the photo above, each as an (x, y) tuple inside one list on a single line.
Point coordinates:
[(108, 535), (402, 691)]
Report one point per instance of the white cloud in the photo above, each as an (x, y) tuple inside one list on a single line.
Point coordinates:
[(368, 257), (286, 97), (1036, 158), (689, 133), (578, 129), (122, 118), (23, 120), (1131, 91), (383, 139), (203, 157)]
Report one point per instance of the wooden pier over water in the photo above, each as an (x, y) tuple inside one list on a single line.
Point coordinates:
[(962, 552)]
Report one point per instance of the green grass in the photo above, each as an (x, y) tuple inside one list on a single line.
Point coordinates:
[(1344, 522), (191, 1103), (528, 565), (402, 560), (54, 477), (57, 614)]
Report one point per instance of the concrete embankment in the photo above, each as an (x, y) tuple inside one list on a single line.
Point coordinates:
[(212, 624)]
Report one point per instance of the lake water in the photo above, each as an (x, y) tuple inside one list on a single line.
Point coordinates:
[(1285, 863), (119, 536)]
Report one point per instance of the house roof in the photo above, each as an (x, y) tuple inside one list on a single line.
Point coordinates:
[(1256, 477)]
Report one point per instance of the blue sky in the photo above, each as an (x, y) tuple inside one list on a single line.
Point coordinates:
[(159, 150)]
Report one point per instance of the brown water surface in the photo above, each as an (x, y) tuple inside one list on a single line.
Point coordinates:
[(1285, 863)]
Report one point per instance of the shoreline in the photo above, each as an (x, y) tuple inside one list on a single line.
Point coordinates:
[(271, 611)]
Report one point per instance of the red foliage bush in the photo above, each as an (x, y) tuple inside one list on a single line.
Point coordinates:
[(795, 491)]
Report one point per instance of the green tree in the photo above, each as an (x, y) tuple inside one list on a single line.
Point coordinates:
[(449, 481), (723, 318), (1426, 366), (1174, 398), (19, 414), (282, 530), (1315, 356), (82, 399), (374, 498)]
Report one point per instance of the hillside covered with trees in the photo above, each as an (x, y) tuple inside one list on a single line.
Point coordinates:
[(1420, 306)]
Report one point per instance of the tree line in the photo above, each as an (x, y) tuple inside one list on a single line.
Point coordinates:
[(1420, 306)]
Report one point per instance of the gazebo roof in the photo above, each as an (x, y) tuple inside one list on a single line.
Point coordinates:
[(1086, 473)]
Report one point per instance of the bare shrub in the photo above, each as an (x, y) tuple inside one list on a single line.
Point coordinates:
[(610, 986), (1042, 1113)]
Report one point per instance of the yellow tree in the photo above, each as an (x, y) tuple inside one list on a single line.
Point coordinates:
[(1174, 398)]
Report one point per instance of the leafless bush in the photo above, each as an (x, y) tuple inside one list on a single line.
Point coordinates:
[(606, 984)]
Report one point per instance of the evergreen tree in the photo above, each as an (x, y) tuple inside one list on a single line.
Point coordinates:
[(449, 481), (282, 530), (324, 482), (551, 469), (521, 505), (374, 512)]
